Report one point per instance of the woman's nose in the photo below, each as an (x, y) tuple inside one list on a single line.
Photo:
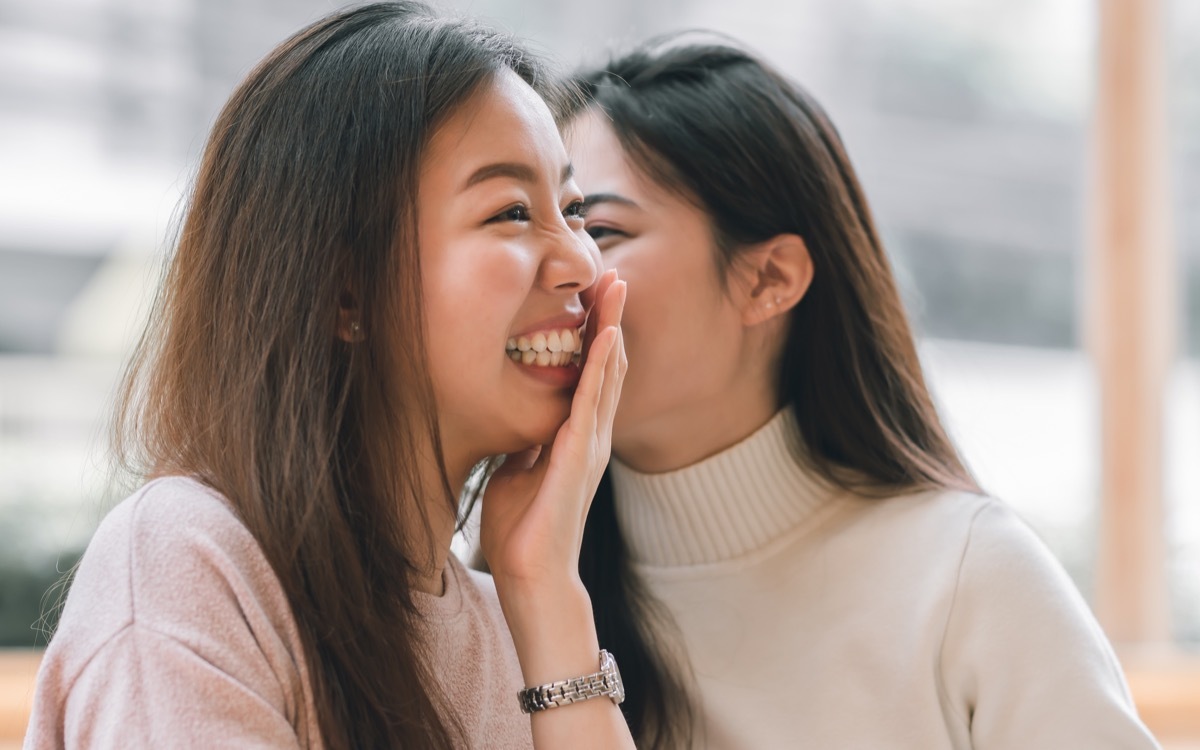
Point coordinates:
[(572, 263)]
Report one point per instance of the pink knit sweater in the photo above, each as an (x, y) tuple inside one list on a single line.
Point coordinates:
[(176, 633)]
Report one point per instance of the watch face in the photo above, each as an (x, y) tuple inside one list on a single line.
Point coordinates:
[(618, 685)]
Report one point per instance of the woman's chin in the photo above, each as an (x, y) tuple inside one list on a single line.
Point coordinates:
[(541, 427)]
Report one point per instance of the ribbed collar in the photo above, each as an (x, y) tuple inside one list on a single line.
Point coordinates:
[(726, 506)]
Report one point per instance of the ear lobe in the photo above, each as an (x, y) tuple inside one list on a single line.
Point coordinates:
[(782, 271), (349, 322)]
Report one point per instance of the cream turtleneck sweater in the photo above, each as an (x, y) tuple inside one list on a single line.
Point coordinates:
[(820, 620)]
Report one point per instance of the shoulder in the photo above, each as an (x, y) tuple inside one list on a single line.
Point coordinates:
[(156, 528), (992, 560), (985, 526), (182, 545), (1020, 637), (923, 531), (1000, 549), (173, 558), (164, 516), (937, 510), (987, 542), (172, 510)]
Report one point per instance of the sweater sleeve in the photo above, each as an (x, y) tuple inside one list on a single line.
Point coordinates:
[(1023, 658), (145, 689), (176, 633)]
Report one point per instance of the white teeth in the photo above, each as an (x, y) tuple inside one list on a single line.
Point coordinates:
[(546, 348)]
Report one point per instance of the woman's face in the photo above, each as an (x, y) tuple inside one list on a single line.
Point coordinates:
[(683, 333), (504, 257)]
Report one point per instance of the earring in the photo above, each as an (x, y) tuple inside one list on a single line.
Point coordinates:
[(778, 301), (355, 327)]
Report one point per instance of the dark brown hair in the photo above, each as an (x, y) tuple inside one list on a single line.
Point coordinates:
[(305, 202), (759, 156)]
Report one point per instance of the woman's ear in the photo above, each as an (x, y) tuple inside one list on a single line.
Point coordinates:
[(779, 272), (349, 322)]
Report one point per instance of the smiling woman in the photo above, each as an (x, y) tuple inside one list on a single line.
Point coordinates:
[(496, 230), (383, 205)]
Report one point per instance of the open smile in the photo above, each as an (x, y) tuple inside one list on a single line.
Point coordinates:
[(553, 348)]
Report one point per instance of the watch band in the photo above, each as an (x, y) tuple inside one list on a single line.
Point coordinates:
[(603, 684)]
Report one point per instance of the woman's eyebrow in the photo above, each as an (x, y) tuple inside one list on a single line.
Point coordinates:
[(596, 198), (512, 170)]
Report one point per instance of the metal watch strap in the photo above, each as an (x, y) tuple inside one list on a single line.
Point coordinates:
[(603, 684)]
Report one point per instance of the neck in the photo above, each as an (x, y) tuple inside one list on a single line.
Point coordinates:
[(428, 578), (434, 527), (690, 434)]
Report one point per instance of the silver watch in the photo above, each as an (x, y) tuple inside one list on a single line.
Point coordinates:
[(603, 684)]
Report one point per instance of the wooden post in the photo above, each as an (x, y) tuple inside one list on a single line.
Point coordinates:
[(1131, 315)]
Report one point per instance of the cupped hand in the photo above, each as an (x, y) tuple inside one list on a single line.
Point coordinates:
[(536, 503)]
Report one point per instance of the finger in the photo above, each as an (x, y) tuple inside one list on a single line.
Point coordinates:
[(597, 294), (600, 431), (588, 296), (610, 307), (624, 370), (606, 410), (614, 375), (591, 382), (613, 305), (593, 320)]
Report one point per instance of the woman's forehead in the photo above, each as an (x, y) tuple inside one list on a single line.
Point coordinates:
[(504, 122)]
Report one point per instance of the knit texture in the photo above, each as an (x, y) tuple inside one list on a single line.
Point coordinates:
[(813, 618), (176, 633)]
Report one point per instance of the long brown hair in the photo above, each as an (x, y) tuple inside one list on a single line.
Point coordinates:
[(761, 158), (304, 204)]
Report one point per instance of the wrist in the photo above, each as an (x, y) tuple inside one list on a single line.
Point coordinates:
[(552, 630), (541, 593), (605, 682)]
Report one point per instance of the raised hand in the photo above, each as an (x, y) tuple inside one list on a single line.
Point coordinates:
[(536, 503)]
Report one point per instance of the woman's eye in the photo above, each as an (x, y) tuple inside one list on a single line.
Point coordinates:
[(516, 213), (576, 210), (599, 233)]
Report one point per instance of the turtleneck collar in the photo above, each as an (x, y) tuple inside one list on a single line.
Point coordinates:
[(726, 506)]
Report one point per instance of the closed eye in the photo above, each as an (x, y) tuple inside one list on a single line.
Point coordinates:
[(598, 233)]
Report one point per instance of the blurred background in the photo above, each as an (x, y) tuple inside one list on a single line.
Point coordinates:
[(978, 130)]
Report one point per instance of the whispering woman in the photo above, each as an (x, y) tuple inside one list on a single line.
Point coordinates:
[(787, 549)]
